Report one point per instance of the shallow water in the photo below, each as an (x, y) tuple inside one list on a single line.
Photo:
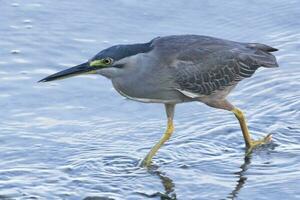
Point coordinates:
[(78, 139)]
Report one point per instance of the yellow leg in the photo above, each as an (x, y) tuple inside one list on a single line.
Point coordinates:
[(170, 128), (250, 144)]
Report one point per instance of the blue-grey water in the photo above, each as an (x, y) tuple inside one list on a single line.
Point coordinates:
[(78, 139)]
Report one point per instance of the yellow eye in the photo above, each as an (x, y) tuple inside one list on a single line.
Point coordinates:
[(107, 61), (102, 62)]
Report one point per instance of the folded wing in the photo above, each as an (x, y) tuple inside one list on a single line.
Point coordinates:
[(202, 70)]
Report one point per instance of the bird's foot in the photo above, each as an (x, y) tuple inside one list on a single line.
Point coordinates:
[(146, 162), (256, 143)]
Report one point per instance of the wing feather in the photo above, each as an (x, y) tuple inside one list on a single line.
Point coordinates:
[(200, 71)]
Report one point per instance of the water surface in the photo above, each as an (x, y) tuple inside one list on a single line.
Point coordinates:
[(78, 139)]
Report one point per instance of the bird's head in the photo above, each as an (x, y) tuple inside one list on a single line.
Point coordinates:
[(111, 62)]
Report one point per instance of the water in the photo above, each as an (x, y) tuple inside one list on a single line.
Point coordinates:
[(78, 139)]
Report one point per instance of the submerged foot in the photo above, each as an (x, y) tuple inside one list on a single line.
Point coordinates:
[(256, 143), (146, 162)]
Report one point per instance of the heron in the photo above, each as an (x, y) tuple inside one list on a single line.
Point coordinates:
[(177, 69)]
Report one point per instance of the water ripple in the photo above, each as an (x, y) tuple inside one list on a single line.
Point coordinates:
[(77, 139)]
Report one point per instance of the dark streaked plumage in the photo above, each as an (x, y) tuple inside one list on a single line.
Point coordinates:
[(205, 64)]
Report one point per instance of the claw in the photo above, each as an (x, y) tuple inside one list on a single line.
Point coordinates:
[(256, 143)]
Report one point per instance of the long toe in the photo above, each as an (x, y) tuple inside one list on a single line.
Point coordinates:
[(256, 143)]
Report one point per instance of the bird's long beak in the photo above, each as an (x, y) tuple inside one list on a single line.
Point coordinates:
[(73, 71)]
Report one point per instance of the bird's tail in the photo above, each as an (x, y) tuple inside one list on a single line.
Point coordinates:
[(263, 56), (262, 47)]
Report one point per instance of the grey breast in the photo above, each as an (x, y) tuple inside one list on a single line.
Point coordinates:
[(149, 81)]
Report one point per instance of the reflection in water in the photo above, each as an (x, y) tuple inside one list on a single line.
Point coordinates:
[(242, 178), (167, 183)]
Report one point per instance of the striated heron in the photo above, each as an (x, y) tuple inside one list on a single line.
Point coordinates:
[(177, 69)]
